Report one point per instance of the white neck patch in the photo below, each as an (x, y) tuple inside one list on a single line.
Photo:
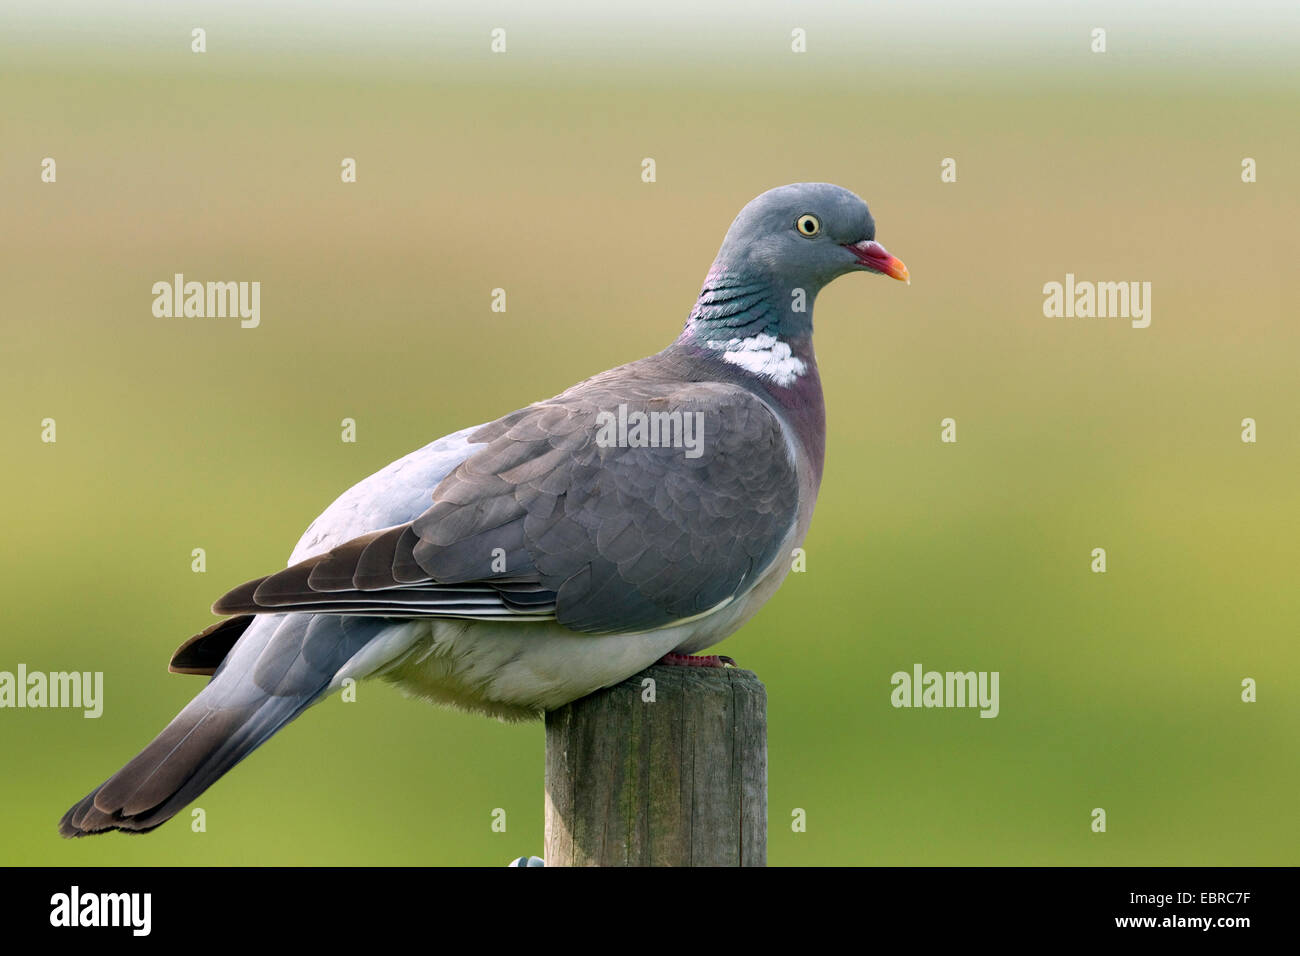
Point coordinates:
[(764, 355)]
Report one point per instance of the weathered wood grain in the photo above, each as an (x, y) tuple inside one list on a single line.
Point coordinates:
[(680, 780)]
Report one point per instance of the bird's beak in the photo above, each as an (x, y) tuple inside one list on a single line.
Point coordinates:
[(875, 257)]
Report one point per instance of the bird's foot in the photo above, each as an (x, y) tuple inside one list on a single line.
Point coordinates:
[(696, 660)]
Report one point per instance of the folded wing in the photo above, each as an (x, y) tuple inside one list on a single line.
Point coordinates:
[(618, 506)]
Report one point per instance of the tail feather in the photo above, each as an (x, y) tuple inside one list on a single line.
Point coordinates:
[(278, 668), (190, 755)]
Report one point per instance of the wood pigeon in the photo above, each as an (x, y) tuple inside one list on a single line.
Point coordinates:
[(512, 567)]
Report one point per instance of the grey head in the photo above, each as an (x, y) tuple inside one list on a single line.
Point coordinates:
[(778, 254), (806, 233)]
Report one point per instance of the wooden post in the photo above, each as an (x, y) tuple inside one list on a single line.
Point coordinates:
[(668, 768)]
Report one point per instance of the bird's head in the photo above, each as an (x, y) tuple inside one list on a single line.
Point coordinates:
[(804, 235)]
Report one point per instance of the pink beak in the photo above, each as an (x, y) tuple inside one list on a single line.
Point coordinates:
[(875, 257)]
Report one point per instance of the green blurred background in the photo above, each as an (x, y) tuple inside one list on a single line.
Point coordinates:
[(522, 171)]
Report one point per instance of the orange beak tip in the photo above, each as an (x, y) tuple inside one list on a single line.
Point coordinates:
[(875, 257)]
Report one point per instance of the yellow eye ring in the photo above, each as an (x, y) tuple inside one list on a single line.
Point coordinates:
[(808, 225)]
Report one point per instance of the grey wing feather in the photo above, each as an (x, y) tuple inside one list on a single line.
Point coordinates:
[(542, 520), (391, 496)]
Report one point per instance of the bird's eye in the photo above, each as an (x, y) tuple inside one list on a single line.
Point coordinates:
[(808, 225)]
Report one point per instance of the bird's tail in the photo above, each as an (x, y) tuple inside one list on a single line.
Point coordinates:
[(200, 744), (280, 666)]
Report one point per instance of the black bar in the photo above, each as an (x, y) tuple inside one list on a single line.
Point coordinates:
[(325, 906)]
